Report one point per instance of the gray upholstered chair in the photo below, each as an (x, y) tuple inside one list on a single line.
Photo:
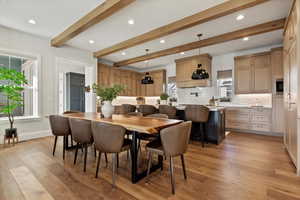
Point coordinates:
[(82, 134), (109, 139), (174, 142), (158, 115), (60, 127), (168, 110), (70, 112), (128, 108), (137, 114), (147, 109), (198, 114)]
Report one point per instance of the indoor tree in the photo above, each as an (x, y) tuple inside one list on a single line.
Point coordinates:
[(11, 86)]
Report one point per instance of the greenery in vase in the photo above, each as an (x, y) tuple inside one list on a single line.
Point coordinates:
[(12, 85), (108, 93), (164, 96)]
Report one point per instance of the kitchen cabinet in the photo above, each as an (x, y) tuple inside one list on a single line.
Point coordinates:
[(253, 73), (185, 68), (108, 76)]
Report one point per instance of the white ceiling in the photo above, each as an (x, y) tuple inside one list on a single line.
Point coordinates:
[(53, 16)]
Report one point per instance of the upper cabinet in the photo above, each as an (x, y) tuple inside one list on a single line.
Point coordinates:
[(108, 76), (185, 68), (253, 74)]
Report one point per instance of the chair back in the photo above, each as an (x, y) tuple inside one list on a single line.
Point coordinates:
[(59, 125), (159, 115), (81, 130), (147, 109), (108, 138), (196, 113), (168, 110), (137, 114), (175, 139), (128, 108)]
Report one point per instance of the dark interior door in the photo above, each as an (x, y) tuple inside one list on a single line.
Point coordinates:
[(75, 92)]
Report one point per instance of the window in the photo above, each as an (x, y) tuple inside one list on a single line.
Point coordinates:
[(28, 66), (224, 79)]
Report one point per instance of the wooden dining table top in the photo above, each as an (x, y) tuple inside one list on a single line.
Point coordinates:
[(148, 125)]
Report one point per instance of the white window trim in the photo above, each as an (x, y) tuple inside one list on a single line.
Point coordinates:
[(38, 58)]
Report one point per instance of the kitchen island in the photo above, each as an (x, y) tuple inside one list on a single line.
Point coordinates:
[(214, 128)]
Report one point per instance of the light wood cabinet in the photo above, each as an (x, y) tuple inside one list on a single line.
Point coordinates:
[(253, 74), (186, 66), (108, 76)]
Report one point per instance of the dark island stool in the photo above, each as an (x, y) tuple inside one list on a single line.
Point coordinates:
[(198, 114)]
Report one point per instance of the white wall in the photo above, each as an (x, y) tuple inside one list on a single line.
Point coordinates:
[(48, 83), (220, 62)]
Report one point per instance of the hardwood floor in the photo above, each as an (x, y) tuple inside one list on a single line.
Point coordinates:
[(244, 166)]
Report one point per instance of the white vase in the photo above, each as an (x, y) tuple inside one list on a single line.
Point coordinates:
[(107, 109)]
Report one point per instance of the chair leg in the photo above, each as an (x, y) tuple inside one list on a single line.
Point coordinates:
[(64, 147), (117, 160), (114, 169), (172, 175), (202, 133), (105, 154), (54, 147), (76, 152), (183, 166), (149, 163), (95, 151), (85, 156), (98, 164)]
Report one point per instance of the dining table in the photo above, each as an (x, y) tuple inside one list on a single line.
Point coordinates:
[(137, 126)]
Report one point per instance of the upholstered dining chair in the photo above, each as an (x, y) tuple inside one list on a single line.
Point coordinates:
[(82, 134), (168, 110), (70, 112), (147, 109), (128, 108), (198, 114), (109, 139), (60, 127), (174, 142)]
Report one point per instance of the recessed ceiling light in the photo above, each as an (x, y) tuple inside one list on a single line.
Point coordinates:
[(146, 61), (91, 41), (162, 41), (182, 53), (123, 53), (240, 17), (245, 38), (131, 21), (31, 21)]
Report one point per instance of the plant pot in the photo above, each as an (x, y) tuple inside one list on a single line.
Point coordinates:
[(163, 102), (107, 109), (10, 132)]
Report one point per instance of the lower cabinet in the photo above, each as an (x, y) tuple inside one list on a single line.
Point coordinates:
[(250, 119)]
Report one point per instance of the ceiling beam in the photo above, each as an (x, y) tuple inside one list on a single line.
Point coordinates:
[(212, 13), (254, 30), (104, 10)]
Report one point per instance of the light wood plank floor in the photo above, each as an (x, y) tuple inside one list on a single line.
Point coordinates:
[(244, 166)]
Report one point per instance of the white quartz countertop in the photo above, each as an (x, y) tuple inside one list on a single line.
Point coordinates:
[(224, 106)]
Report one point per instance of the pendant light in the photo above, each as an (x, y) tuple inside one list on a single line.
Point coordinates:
[(147, 79), (200, 73)]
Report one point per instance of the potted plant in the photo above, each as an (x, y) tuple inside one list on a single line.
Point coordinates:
[(12, 85), (164, 97), (107, 95)]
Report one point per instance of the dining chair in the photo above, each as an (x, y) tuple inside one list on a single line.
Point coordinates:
[(60, 127), (128, 108), (173, 142), (70, 112), (198, 114), (147, 109), (168, 110), (82, 135), (109, 139)]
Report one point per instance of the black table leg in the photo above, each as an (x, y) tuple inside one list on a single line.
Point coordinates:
[(135, 175)]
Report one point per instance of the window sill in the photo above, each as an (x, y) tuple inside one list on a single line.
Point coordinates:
[(4, 120)]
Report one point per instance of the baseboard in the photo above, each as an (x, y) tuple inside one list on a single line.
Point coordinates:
[(256, 132), (32, 135)]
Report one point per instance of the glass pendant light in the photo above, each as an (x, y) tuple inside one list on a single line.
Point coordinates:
[(200, 73)]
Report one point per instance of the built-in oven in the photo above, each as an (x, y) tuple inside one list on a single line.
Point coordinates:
[(279, 86)]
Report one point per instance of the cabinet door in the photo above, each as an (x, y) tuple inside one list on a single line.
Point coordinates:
[(242, 78), (184, 70), (262, 74)]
